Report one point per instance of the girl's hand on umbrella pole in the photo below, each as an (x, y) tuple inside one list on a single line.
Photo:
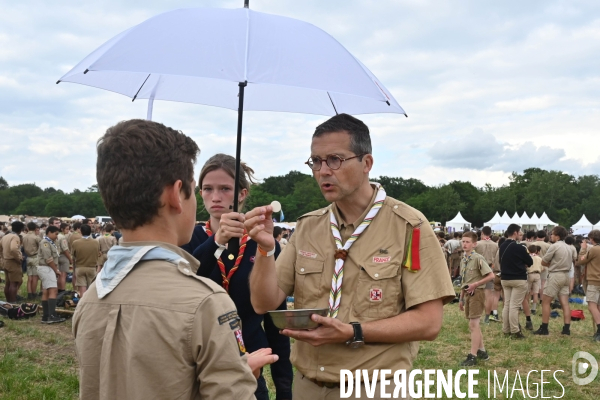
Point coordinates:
[(231, 225), (259, 224)]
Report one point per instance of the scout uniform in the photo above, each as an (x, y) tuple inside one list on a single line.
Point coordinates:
[(85, 254), (544, 246), (533, 274), (31, 245), (454, 249), (166, 332), (63, 261), (376, 283), (11, 257), (560, 258), (106, 241), (472, 269), (72, 238), (488, 249), (592, 270), (48, 252)]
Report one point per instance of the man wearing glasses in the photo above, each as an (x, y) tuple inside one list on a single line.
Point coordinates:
[(372, 261), (559, 260)]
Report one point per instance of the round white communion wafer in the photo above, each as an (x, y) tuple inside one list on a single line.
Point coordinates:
[(276, 206)]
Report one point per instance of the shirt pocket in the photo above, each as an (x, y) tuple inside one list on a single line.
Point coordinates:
[(307, 288), (377, 293)]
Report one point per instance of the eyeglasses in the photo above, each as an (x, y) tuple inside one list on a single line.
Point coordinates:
[(333, 161)]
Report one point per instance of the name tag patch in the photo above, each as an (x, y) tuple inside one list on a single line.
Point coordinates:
[(231, 315), (381, 260), (307, 254), (376, 294)]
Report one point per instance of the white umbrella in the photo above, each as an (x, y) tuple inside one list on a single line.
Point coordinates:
[(499, 227), (77, 217), (238, 59), (582, 231)]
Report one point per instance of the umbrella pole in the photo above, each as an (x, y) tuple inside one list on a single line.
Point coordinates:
[(234, 243)]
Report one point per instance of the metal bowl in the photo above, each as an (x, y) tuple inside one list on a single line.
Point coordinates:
[(296, 319)]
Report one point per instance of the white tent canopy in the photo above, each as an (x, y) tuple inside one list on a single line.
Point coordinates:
[(495, 220), (597, 226), (505, 219), (545, 221), (583, 223), (458, 223)]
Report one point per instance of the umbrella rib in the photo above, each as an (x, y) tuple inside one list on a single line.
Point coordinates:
[(138, 92), (331, 100)]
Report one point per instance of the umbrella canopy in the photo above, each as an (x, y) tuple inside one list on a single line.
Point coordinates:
[(287, 64), (77, 217), (499, 227), (238, 59), (582, 231)]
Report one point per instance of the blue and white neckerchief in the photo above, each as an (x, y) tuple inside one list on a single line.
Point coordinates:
[(85, 237), (51, 242)]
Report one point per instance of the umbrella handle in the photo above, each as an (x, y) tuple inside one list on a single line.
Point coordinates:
[(234, 244)]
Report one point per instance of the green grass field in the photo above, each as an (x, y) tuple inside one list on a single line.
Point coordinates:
[(38, 361)]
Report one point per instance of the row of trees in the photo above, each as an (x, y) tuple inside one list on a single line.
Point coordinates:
[(562, 196)]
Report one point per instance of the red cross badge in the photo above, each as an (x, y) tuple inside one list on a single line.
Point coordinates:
[(376, 294)]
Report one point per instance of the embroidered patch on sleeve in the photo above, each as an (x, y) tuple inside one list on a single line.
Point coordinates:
[(227, 317), (240, 341), (235, 324)]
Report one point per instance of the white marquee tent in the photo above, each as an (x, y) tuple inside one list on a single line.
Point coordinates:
[(583, 224), (458, 223), (597, 226), (533, 222)]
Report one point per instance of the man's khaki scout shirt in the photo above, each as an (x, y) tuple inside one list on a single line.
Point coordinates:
[(10, 247), (375, 285), (162, 333), (559, 256), (47, 253), (72, 238), (85, 252), (488, 249), (106, 242), (62, 243), (543, 245), (473, 269), (31, 244)]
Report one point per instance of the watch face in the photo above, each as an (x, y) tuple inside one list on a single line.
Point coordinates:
[(357, 344)]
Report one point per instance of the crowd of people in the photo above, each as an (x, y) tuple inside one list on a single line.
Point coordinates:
[(524, 270), (48, 254)]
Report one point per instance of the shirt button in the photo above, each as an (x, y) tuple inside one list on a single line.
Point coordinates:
[(396, 207), (322, 368), (376, 275), (324, 212), (301, 269), (187, 271)]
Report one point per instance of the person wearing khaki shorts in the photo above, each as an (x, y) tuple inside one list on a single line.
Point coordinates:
[(48, 273), (31, 245), (65, 260), (589, 256), (559, 260), (10, 253)]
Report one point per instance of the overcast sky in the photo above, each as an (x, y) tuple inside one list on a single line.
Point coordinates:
[(489, 87)]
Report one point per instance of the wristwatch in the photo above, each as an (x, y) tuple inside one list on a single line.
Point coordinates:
[(358, 340)]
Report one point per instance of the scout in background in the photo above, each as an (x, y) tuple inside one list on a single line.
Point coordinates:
[(31, 245), (475, 273), (534, 277), (106, 241), (488, 249), (48, 273), (590, 257)]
